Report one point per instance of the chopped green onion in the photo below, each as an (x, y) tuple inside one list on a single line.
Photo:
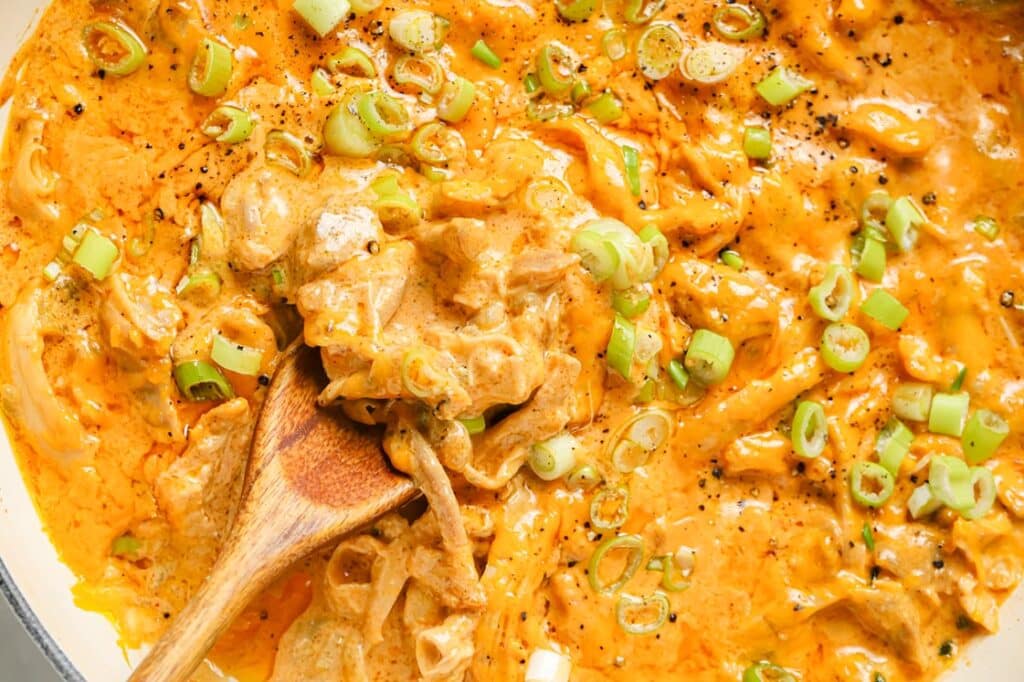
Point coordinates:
[(554, 457), (665, 565), (363, 7), (621, 346), (639, 437), (958, 383), (125, 545), (782, 86), (642, 11), (114, 48), (383, 115), (893, 444), (984, 432), (321, 83), (870, 258), (354, 62), (902, 220), (631, 302), (809, 431), (922, 502), (985, 226), (229, 125), (631, 159), (199, 381), (597, 254), (711, 63), (844, 347), (556, 68), (885, 309), (871, 484), (614, 44), (345, 134), (580, 91), (912, 401), (485, 54), (583, 477), (202, 285), (633, 545), (874, 210), (658, 51), (575, 10), (767, 672), (456, 100), (757, 141), (950, 481), (831, 299), (393, 205), (948, 413), (732, 259), (421, 72), (678, 374), (546, 110), (436, 144), (323, 16), (418, 30), (751, 22), (868, 535), (983, 490), (709, 357), (633, 613), (606, 107), (235, 357), (474, 425), (600, 516), (531, 84), (654, 238), (96, 254), (286, 150), (211, 69), (418, 375)]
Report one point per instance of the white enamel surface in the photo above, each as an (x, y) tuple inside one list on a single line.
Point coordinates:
[(89, 641)]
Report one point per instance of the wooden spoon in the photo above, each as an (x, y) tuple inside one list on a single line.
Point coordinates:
[(313, 476)]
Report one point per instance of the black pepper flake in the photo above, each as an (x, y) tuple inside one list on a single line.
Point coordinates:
[(963, 622), (875, 572), (264, 615), (264, 380), (1006, 299), (898, 19), (883, 180), (939, 564), (946, 649), (522, 616), (929, 199), (716, 472), (79, 109)]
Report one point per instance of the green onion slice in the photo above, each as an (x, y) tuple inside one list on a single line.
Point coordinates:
[(633, 545), (235, 357), (230, 125), (984, 432), (983, 488), (631, 302), (583, 477), (485, 54), (606, 107), (757, 141), (902, 220), (868, 535), (211, 69), (782, 85), (912, 401), (555, 457), (678, 374), (642, 11), (323, 16), (614, 44), (654, 238), (893, 444), (321, 83), (639, 437), (658, 51), (362, 7), (874, 210), (199, 381), (871, 484), (885, 309), (844, 347), (575, 10), (642, 615), (203, 285), (949, 413), (732, 259), (831, 299), (114, 48), (556, 68), (286, 150), (631, 159), (739, 22), (665, 564), (922, 502), (345, 134), (353, 62), (383, 115), (125, 545), (869, 258), (598, 255), (457, 98), (985, 226), (809, 431), (474, 425), (437, 144), (421, 72), (767, 672), (621, 346), (96, 254), (610, 508), (709, 357), (418, 30), (950, 481), (710, 63), (580, 91)]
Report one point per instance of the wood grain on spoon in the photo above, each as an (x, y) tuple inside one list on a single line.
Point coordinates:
[(312, 477)]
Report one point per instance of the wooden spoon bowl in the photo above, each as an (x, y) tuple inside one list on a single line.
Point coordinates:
[(313, 476)]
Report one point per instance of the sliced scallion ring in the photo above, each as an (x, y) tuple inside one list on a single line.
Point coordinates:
[(353, 62), (199, 381), (658, 51), (902, 220), (235, 357), (912, 401), (844, 347), (474, 425), (457, 98), (584, 477), (114, 48), (598, 255), (211, 69), (606, 107), (757, 143), (893, 444), (709, 357), (437, 144), (345, 134), (363, 7), (610, 508), (871, 484), (229, 125), (631, 302), (809, 431), (321, 83), (922, 502), (633, 545), (323, 16), (874, 209), (556, 68), (665, 565), (869, 257), (711, 63), (984, 432), (419, 377), (418, 30), (614, 44), (642, 615), (642, 11), (983, 487), (96, 254), (555, 457), (782, 85), (950, 481), (621, 346), (739, 22), (383, 115), (654, 238), (765, 671), (288, 151), (831, 299), (575, 10), (421, 72), (885, 309), (949, 413)]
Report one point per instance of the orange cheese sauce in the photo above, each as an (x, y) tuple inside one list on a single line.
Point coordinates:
[(919, 99)]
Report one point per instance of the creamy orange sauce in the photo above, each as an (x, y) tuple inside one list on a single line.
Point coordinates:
[(917, 99)]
